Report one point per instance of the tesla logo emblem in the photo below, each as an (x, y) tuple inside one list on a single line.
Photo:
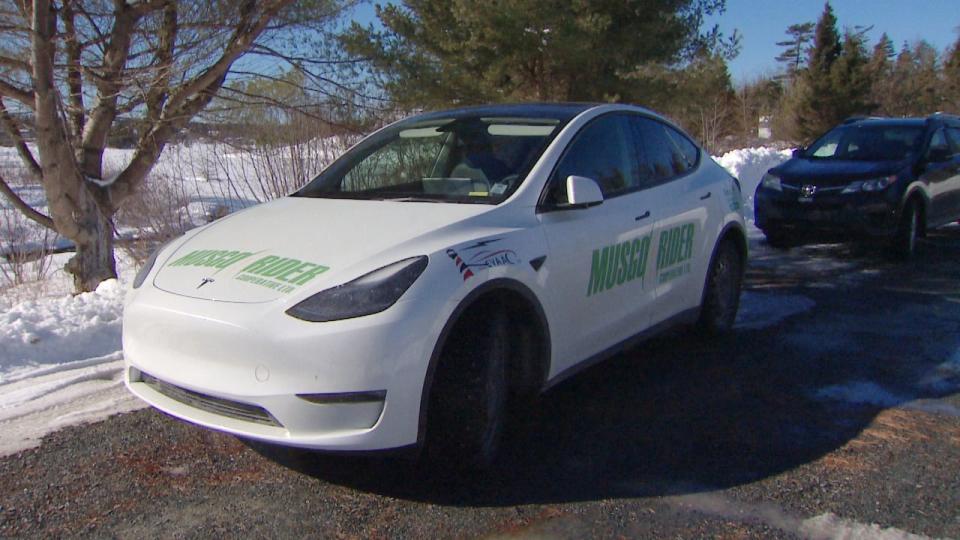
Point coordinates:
[(204, 281), (807, 190)]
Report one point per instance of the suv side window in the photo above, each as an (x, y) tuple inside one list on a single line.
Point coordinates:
[(938, 142), (602, 151), (661, 157), (953, 134)]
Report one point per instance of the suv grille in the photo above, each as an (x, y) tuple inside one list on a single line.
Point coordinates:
[(215, 405)]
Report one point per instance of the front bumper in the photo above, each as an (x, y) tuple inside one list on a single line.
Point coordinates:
[(827, 215), (255, 372)]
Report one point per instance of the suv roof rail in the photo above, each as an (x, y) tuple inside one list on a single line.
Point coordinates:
[(859, 117)]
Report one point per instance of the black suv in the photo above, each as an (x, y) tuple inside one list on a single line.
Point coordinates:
[(884, 178)]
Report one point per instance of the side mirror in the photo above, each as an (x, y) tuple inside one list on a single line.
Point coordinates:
[(798, 151), (582, 192)]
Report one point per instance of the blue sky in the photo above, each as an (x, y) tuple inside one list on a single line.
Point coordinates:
[(762, 23)]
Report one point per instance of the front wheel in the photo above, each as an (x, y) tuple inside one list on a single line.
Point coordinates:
[(469, 395), (903, 245), (721, 296)]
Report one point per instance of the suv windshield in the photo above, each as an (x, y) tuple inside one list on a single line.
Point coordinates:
[(867, 143), (466, 160)]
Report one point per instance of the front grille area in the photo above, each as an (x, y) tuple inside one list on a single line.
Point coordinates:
[(210, 404)]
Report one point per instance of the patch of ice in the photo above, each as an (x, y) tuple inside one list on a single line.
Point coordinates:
[(861, 393), (763, 309), (830, 526)]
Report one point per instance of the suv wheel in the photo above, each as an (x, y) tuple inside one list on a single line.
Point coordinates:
[(721, 297), (467, 403), (904, 242)]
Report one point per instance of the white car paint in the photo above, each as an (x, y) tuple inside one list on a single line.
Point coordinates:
[(217, 324)]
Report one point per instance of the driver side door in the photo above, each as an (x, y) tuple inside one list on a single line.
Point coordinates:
[(598, 256)]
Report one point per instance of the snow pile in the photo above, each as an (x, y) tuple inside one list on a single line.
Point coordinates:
[(38, 333), (749, 166), (60, 364)]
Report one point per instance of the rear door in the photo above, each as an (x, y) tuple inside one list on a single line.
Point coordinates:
[(683, 235), (597, 270), (940, 177), (953, 199)]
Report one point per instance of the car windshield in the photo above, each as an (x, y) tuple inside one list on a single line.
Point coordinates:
[(867, 143), (462, 160)]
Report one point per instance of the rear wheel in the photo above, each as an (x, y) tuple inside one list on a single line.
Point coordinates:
[(467, 403), (903, 245), (721, 297)]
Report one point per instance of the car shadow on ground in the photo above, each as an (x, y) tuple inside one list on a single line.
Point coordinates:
[(678, 414)]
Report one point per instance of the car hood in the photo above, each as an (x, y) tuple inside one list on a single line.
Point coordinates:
[(828, 172), (293, 244)]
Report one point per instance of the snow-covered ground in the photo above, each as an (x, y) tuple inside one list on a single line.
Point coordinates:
[(60, 357)]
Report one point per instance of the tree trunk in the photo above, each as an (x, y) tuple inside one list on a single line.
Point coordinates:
[(93, 261)]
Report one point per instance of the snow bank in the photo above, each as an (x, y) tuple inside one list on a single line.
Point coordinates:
[(749, 166), (49, 331), (60, 364)]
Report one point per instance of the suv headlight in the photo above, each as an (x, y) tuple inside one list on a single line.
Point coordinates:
[(366, 295), (771, 181), (874, 184)]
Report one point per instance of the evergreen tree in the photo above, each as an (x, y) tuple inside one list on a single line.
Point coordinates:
[(814, 110), (437, 52), (951, 75), (795, 48), (851, 79), (879, 69)]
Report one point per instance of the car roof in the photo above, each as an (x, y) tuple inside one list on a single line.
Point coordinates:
[(937, 118), (560, 111)]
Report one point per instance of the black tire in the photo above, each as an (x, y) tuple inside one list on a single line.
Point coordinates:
[(721, 295), (903, 245), (467, 408), (777, 239)]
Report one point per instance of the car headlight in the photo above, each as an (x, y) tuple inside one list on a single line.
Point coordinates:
[(366, 295), (874, 184), (148, 265), (771, 181)]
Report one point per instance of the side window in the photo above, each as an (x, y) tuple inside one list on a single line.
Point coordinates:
[(954, 135), (685, 145), (661, 159), (601, 151), (938, 142)]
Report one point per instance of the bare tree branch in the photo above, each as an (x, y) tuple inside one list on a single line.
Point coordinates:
[(25, 97), (25, 208), (10, 125)]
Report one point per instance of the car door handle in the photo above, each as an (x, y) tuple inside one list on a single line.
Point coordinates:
[(644, 215), (705, 197)]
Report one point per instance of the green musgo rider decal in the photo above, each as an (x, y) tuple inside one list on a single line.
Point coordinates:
[(282, 274), (624, 262), (674, 252), (618, 264)]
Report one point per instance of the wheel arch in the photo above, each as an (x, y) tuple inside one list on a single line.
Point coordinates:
[(516, 294), (923, 200)]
